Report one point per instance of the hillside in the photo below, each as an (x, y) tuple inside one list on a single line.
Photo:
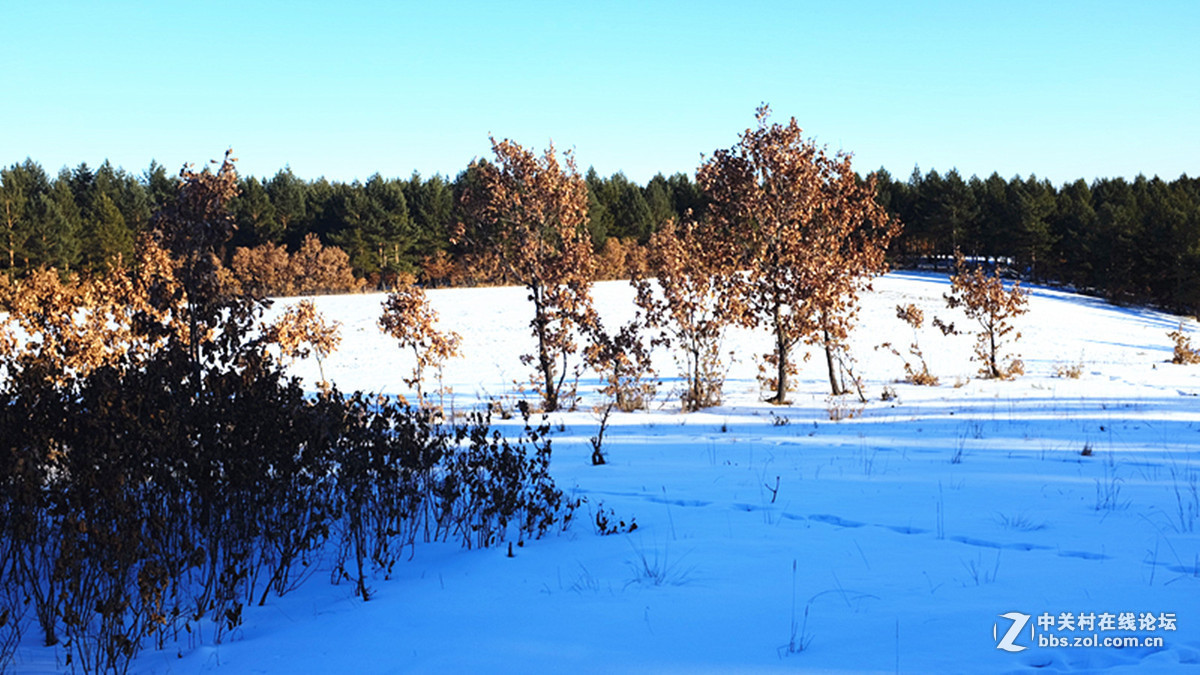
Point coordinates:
[(889, 541)]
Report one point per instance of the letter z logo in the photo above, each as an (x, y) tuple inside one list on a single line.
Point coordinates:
[(1008, 642)]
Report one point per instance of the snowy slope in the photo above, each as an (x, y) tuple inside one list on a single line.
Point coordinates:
[(893, 541)]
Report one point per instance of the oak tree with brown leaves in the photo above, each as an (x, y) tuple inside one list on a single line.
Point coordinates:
[(194, 229), (533, 216), (697, 299), (812, 232), (985, 300), (301, 331), (263, 269), (58, 330), (318, 269), (408, 317), (623, 360), (313, 269)]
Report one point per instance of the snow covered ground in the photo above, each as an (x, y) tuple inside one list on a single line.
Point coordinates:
[(892, 541)]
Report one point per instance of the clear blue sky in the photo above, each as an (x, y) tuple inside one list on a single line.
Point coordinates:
[(1061, 89)]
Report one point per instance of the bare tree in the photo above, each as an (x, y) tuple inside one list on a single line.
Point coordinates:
[(812, 232)]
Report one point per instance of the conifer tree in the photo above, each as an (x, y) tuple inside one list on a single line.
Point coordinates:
[(13, 199)]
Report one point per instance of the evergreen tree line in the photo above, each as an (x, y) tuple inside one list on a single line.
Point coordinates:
[(1130, 241), (88, 219)]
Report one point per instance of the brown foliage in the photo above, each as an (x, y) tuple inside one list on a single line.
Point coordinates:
[(60, 330), (621, 259), (623, 360), (697, 300), (312, 270), (263, 270), (301, 331), (158, 469), (915, 318), (207, 315), (440, 269), (319, 269), (408, 317), (1184, 352), (534, 219), (984, 299), (1071, 371), (812, 235)]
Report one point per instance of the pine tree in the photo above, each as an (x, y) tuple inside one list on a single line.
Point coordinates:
[(59, 243), (111, 241), (255, 215), (289, 198), (13, 199)]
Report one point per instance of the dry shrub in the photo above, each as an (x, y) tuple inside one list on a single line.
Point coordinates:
[(1071, 371), (913, 374), (838, 408), (1185, 353), (768, 374), (159, 472), (623, 360)]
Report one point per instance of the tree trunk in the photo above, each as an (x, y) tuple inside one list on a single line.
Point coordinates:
[(545, 361), (694, 386), (829, 362), (11, 224), (418, 371), (781, 353), (992, 341)]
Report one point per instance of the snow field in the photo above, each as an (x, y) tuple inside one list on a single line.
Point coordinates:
[(903, 532)]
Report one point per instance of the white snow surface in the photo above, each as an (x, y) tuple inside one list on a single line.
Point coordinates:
[(866, 534)]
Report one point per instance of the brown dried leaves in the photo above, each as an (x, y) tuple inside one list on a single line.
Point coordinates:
[(984, 299)]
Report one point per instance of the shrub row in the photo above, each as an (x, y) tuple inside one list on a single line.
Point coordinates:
[(134, 513)]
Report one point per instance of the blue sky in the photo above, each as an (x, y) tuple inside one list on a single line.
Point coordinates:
[(1061, 89)]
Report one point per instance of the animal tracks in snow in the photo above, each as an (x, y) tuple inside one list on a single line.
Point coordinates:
[(840, 522)]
